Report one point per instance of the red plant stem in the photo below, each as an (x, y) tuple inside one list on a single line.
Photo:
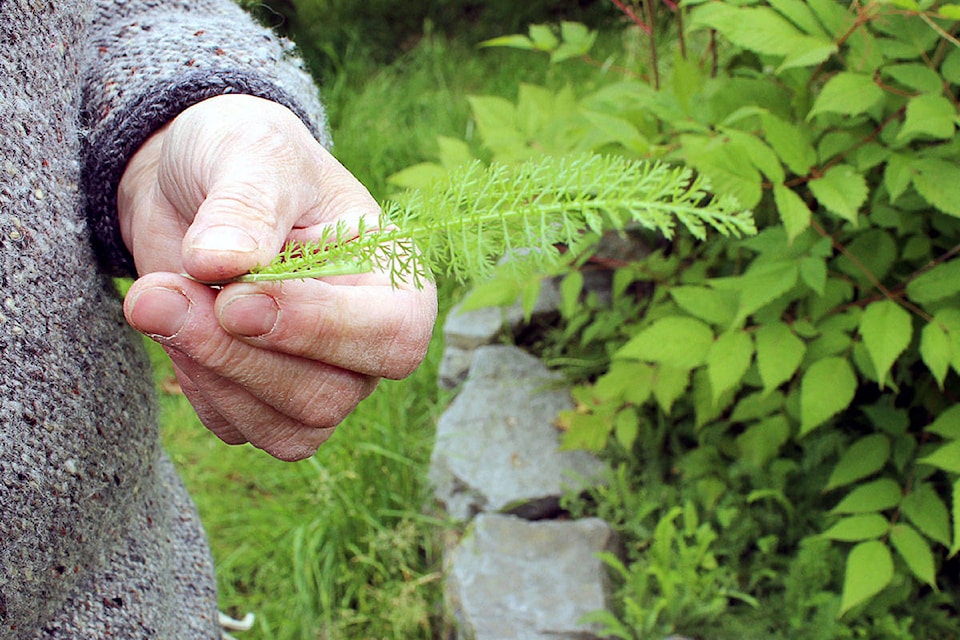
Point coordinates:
[(633, 16)]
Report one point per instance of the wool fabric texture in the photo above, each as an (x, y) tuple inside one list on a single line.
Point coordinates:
[(98, 538)]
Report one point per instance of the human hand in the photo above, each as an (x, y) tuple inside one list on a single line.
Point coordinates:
[(216, 192)]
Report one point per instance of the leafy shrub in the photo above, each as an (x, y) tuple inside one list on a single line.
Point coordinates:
[(796, 391)]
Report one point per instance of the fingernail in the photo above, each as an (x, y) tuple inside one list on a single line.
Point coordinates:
[(250, 315), (160, 312), (225, 238)]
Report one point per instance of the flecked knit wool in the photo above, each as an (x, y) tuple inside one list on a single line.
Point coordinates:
[(98, 538)]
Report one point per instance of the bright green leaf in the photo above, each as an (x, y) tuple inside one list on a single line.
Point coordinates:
[(924, 508), (762, 156), (886, 329), (676, 341), (897, 175), (915, 76), (955, 547), (760, 285), (842, 190), (669, 383), (947, 424), (863, 458), (946, 457), (869, 570), (626, 427), (799, 13), (950, 11), (929, 115), (514, 41), (759, 29), (869, 526), (728, 360), (936, 284), (543, 37), (938, 182), (847, 93), (813, 272), (722, 161), (779, 354), (710, 305), (791, 142), (871, 497), (915, 552), (827, 388), (793, 211), (761, 442), (936, 350)]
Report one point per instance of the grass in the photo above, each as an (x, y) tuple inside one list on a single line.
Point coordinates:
[(344, 545)]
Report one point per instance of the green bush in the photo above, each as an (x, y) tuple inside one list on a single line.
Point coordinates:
[(780, 411), (329, 31)]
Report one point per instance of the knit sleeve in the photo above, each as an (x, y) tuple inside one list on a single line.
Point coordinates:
[(146, 61)]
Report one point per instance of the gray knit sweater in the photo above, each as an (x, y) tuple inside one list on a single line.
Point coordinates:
[(98, 538)]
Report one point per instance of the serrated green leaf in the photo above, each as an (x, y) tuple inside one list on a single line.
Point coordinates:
[(669, 383), (924, 508), (863, 458), (936, 284), (779, 354), (762, 156), (728, 360), (847, 93), (759, 29), (677, 341), (955, 547), (950, 11), (710, 305), (947, 424), (790, 141), (543, 37), (513, 41), (946, 457), (936, 350), (760, 285), (938, 182), (794, 212), (915, 552), (827, 388), (761, 442), (842, 190), (626, 426), (928, 115), (886, 329), (813, 272), (799, 13), (897, 175), (871, 497), (869, 526), (722, 162), (869, 571), (496, 120), (915, 76)]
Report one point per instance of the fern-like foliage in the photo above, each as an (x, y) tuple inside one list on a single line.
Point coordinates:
[(465, 224)]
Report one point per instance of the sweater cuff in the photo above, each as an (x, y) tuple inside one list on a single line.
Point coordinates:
[(110, 148)]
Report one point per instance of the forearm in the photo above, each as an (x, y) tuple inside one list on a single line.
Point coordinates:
[(146, 63)]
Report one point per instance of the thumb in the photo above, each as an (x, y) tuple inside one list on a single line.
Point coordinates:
[(238, 226)]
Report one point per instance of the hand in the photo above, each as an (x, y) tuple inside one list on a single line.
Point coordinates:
[(219, 190)]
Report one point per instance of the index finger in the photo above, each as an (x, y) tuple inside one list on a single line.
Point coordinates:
[(373, 329)]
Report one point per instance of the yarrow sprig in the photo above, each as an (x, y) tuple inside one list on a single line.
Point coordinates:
[(465, 224)]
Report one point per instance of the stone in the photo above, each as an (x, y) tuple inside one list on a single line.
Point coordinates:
[(511, 578), (497, 448), (465, 331)]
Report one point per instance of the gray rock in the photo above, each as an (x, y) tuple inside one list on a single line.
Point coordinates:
[(519, 580), (464, 331), (497, 448)]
